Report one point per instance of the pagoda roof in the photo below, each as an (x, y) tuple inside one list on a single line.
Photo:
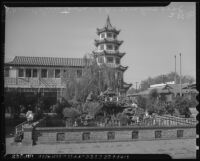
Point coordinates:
[(120, 67), (105, 40), (123, 68), (47, 61), (107, 27), (113, 53), (127, 85)]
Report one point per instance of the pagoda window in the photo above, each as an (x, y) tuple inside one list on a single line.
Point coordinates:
[(57, 73), (116, 48), (44, 73), (21, 73), (117, 60), (34, 72), (79, 73), (28, 73), (109, 35), (100, 59), (109, 47), (101, 47), (110, 59), (103, 35)]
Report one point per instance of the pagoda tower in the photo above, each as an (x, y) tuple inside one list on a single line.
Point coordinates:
[(107, 52)]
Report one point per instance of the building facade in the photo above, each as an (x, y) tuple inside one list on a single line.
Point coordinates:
[(49, 74)]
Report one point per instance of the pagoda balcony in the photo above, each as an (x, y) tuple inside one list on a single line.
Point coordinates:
[(109, 52), (33, 82), (105, 40)]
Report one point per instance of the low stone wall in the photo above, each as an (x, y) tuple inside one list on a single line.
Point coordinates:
[(101, 134)]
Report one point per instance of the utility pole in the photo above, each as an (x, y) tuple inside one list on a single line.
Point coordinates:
[(136, 86), (175, 70), (175, 76), (180, 78)]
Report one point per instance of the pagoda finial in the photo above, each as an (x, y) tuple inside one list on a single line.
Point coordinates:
[(108, 24)]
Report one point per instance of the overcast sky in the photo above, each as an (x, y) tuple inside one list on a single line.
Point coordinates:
[(152, 35)]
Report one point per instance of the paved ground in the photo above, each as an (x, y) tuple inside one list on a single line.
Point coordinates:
[(180, 148)]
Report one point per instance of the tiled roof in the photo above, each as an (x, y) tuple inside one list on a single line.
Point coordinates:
[(127, 85), (47, 61), (111, 53), (107, 27), (105, 40)]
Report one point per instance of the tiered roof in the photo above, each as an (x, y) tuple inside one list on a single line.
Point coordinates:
[(117, 66), (108, 27), (48, 61), (105, 40), (127, 85), (104, 52)]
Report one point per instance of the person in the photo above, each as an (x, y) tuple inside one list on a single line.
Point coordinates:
[(29, 116)]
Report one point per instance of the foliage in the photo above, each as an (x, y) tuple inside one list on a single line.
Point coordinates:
[(94, 78), (182, 104), (141, 102), (131, 90), (70, 113), (153, 95), (165, 78), (123, 118), (92, 108)]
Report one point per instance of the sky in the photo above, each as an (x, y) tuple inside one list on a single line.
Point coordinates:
[(151, 35)]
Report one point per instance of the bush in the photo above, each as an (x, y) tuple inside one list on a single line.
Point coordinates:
[(182, 105), (123, 119)]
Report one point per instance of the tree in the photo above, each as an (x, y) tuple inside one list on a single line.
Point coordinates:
[(92, 108), (122, 118), (131, 91), (141, 102), (70, 114), (95, 78), (145, 84), (182, 104)]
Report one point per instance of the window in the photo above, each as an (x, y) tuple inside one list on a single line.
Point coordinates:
[(109, 59), (103, 35), (179, 133), (79, 73), (34, 72), (114, 36), (6, 72), (117, 61), (111, 135), (21, 73), (135, 135), (158, 134), (86, 136), (100, 59), (44, 73), (109, 47), (109, 35), (116, 47), (101, 47), (57, 73), (60, 136), (28, 72)]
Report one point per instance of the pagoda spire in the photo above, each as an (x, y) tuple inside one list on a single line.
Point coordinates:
[(108, 24)]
